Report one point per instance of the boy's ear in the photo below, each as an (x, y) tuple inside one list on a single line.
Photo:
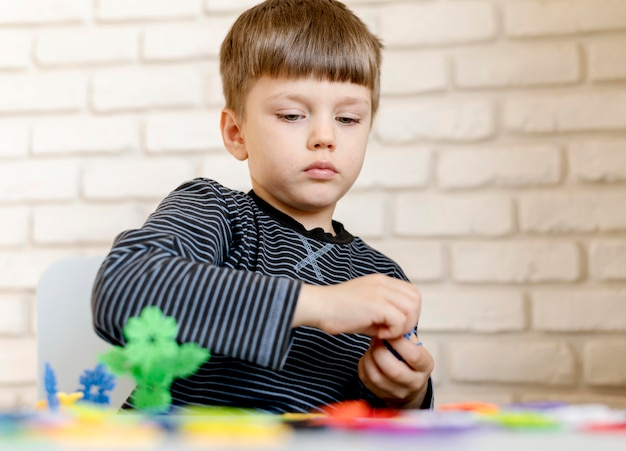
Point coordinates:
[(232, 135)]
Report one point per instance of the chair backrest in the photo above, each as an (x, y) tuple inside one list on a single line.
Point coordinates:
[(65, 335)]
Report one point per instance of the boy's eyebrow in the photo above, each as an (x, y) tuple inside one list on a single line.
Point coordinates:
[(346, 100)]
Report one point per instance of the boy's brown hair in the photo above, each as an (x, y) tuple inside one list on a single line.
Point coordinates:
[(298, 38)]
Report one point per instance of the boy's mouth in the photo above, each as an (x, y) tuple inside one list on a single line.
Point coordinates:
[(321, 170)]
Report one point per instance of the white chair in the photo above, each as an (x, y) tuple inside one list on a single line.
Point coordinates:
[(65, 335)]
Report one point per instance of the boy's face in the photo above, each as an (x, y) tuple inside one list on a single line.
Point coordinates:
[(305, 141)]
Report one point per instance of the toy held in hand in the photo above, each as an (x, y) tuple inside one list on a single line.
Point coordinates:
[(408, 336)]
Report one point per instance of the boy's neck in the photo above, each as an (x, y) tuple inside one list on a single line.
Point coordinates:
[(310, 220)]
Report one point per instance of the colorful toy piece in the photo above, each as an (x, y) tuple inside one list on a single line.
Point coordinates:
[(54, 398), (96, 384), (408, 336), (154, 358), (50, 383)]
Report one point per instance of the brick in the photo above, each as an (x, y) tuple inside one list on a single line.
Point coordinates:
[(80, 224), (179, 132), (517, 65), (227, 170), (601, 365), (86, 46), (407, 24), (406, 121), (42, 11), (38, 180), (213, 94), (606, 59), (395, 167), (431, 215), (85, 135), (600, 111), (132, 89), (200, 41), (15, 226), (15, 49), (468, 311), (13, 138), (41, 93), (18, 360), (362, 213), (26, 396), (22, 270), (511, 361), (421, 261), (606, 260), (123, 10), (572, 212), (134, 178), (17, 398), (569, 310), (413, 72), (516, 262), (222, 6), (503, 167), (540, 18), (15, 314), (598, 161)]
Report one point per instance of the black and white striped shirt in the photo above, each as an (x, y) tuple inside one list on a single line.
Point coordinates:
[(228, 267)]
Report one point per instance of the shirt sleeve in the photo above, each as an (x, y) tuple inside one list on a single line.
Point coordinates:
[(175, 262)]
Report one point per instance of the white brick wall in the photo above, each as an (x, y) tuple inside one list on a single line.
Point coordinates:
[(46, 92), (42, 12), (601, 111), (70, 47), (79, 134), (516, 262), (539, 18), (598, 161), (519, 166), (496, 173), (518, 65), (531, 362)]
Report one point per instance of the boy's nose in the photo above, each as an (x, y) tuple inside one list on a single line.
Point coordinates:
[(322, 137)]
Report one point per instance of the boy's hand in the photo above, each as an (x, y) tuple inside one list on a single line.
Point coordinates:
[(400, 384), (376, 305)]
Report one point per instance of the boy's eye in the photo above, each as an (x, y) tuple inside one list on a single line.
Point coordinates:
[(290, 117), (348, 120)]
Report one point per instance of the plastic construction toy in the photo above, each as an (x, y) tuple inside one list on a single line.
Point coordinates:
[(96, 384), (408, 336), (50, 384), (55, 400), (153, 357)]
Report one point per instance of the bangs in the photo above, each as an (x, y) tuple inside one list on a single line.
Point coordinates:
[(327, 52), (299, 39)]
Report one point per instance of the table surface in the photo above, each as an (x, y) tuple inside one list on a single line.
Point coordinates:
[(427, 430), (341, 441)]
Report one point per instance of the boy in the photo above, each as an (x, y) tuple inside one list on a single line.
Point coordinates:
[(296, 312)]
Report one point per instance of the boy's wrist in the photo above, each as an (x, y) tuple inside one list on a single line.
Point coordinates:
[(306, 307)]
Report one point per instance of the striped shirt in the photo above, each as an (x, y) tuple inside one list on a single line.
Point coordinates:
[(229, 267)]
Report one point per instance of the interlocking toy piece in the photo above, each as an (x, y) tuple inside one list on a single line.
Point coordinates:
[(408, 336), (154, 358), (96, 384)]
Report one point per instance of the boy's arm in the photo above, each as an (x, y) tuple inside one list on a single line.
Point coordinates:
[(241, 314), (376, 305)]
